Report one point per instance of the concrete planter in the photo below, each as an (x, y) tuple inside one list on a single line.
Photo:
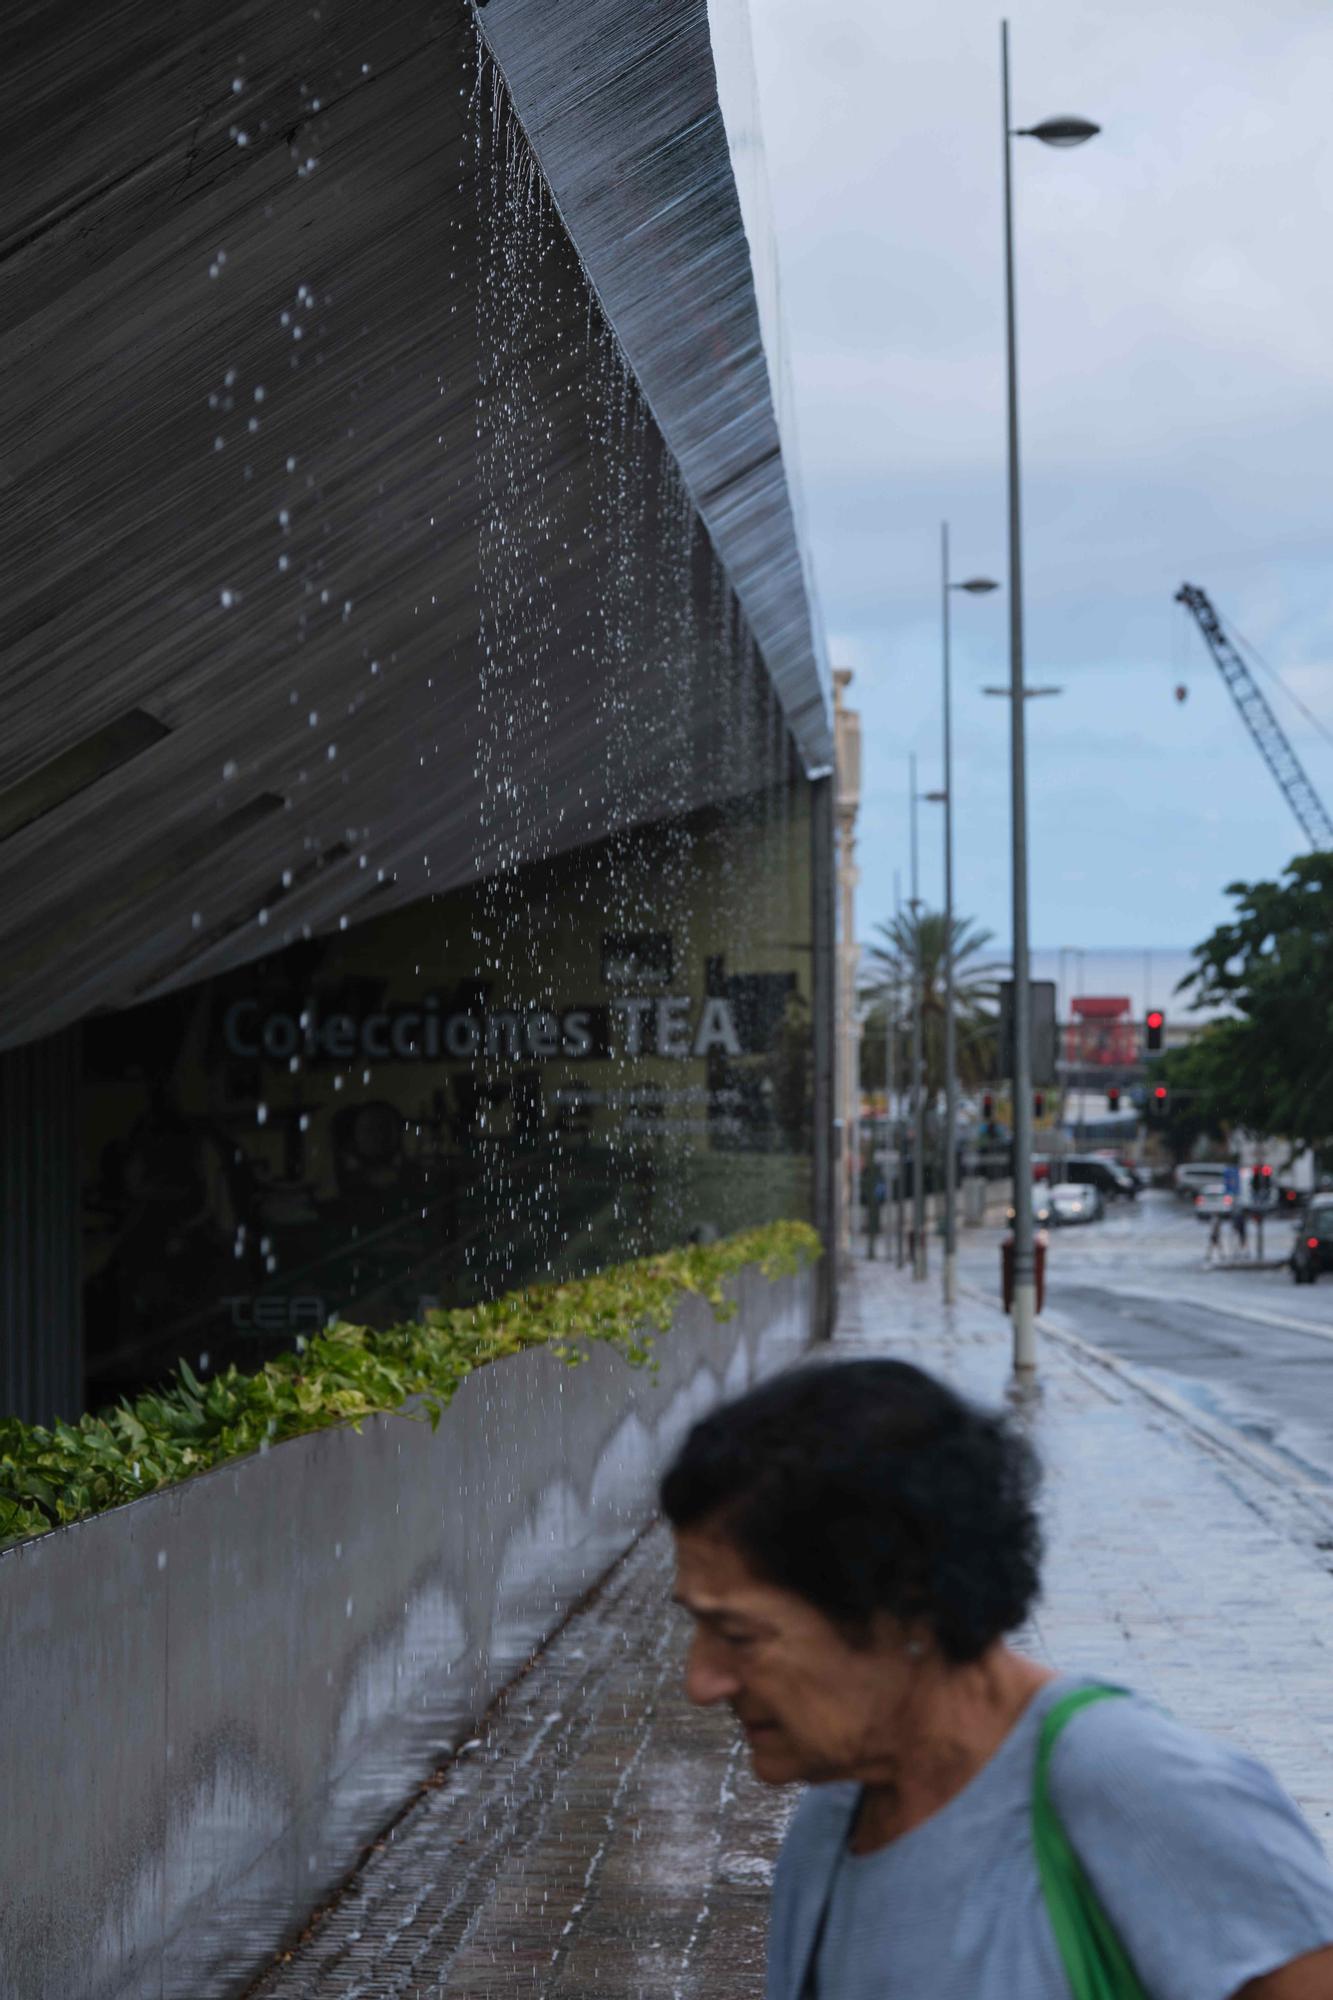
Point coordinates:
[(212, 1698)]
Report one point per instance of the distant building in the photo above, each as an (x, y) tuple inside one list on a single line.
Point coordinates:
[(1145, 976)]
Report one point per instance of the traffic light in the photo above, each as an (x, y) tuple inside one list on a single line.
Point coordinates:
[(1156, 1023), (988, 1107), (1259, 1179), (1039, 1103), (1160, 1100), (1113, 1097)]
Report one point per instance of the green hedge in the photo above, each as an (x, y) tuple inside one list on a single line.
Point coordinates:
[(49, 1477)]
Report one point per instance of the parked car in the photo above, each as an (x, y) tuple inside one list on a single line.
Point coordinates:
[(1312, 1252), (1075, 1201), (1195, 1174), (1126, 1166), (1107, 1176)]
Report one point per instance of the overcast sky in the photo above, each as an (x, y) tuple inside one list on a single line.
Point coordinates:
[(1175, 292)]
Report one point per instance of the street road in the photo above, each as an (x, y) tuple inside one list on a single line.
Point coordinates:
[(1247, 1346)]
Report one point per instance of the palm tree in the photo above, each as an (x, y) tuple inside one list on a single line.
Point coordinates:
[(890, 968)]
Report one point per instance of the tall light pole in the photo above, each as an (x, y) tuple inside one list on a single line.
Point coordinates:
[(891, 1003), (918, 1092), (893, 1072), (976, 586), (1053, 132)]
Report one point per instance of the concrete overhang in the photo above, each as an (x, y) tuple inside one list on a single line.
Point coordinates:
[(279, 391), (645, 121)]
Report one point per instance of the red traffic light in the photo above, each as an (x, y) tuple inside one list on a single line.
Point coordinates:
[(988, 1106), (1266, 1172), (1155, 1019), (1312, 1242), (1160, 1093)]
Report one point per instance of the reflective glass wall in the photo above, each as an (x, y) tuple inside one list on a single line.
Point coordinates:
[(601, 1055)]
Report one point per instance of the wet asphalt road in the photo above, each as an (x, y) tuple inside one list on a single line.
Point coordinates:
[(1246, 1345)]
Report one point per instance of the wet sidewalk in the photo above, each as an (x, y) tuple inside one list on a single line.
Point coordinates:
[(603, 1838)]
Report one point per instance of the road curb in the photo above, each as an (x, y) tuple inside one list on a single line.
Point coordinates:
[(1208, 1431), (1246, 1264)]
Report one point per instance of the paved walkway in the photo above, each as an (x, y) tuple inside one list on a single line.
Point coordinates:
[(604, 1839)]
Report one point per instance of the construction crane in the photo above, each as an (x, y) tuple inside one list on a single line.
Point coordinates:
[(1260, 720)]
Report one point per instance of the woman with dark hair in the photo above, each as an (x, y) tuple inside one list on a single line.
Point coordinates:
[(856, 1544)]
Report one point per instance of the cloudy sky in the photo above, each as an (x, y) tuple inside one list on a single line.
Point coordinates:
[(1175, 284)]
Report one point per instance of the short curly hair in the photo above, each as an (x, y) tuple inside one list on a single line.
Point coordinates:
[(869, 1487)]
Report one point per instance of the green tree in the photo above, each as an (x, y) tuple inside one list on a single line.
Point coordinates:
[(888, 972), (1268, 1064), (1191, 1075)]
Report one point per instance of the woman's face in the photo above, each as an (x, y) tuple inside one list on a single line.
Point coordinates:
[(813, 1707)]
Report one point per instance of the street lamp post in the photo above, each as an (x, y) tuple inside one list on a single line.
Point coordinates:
[(976, 586), (918, 1053), (900, 1234), (1053, 132), (892, 1002)]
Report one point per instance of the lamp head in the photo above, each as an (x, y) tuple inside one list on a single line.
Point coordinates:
[(977, 586), (1061, 131)]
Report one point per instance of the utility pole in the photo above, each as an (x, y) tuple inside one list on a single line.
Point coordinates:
[(976, 586), (950, 1031), (1025, 1283), (890, 1066), (900, 1234), (1060, 132), (918, 1059)]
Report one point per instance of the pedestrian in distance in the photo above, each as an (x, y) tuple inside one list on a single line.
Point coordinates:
[(1213, 1254), (1238, 1226), (855, 1545)]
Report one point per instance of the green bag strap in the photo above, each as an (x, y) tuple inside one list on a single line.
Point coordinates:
[(1096, 1964)]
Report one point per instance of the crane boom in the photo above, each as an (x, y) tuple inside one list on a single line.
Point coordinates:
[(1260, 720)]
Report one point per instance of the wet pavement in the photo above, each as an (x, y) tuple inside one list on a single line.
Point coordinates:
[(1238, 1341), (603, 1838)]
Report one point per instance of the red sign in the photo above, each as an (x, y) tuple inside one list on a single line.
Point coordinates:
[(1102, 1034)]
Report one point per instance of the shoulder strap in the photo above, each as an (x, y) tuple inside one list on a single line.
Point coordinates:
[(1096, 1964)]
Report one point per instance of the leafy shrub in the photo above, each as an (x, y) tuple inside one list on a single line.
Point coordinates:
[(347, 1373)]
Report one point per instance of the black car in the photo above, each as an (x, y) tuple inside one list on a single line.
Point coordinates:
[(1109, 1178), (1312, 1252)]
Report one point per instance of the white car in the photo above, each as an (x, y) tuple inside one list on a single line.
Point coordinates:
[(1074, 1201), (1041, 1207), (1213, 1199), (1195, 1175)]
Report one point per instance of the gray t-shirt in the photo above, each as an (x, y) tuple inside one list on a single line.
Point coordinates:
[(1204, 1866)]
